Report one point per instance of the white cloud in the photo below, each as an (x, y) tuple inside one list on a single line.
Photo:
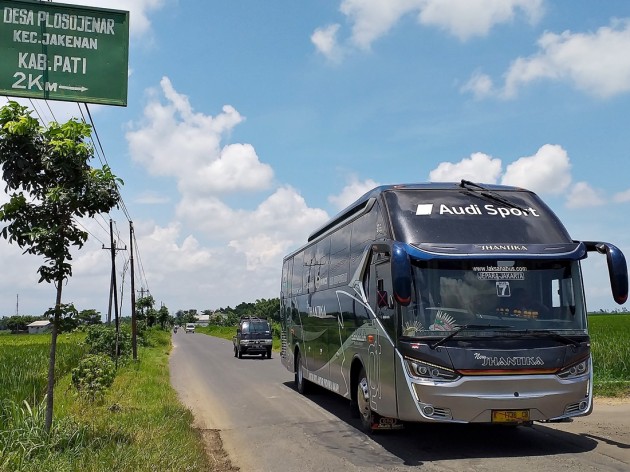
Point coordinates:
[(236, 168), (622, 197), (325, 41), (372, 19), (478, 168), (468, 18), (582, 195), (284, 215), (480, 85), (139, 11), (351, 192), (597, 63), (175, 141), (547, 171), (151, 198), (236, 231)]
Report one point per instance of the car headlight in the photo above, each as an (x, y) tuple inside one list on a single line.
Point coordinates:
[(426, 371), (576, 370)]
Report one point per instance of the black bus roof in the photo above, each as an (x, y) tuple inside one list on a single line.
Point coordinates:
[(364, 200)]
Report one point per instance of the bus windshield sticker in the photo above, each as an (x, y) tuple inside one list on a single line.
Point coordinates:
[(426, 209), (443, 322), (500, 272), (503, 289)]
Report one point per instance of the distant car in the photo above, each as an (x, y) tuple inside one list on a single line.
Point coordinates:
[(190, 327)]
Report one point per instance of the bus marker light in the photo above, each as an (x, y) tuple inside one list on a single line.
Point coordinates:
[(370, 339)]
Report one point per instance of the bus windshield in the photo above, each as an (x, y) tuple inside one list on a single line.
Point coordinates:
[(517, 295)]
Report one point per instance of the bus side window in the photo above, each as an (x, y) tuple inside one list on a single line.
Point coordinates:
[(322, 256), (310, 270), (296, 278), (363, 233), (339, 266)]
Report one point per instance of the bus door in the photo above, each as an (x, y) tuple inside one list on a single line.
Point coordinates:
[(381, 354)]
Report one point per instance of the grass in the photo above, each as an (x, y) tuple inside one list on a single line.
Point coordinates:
[(610, 344), (139, 425)]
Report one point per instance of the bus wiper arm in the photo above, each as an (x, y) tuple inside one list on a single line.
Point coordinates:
[(491, 195), (552, 334), (454, 333)]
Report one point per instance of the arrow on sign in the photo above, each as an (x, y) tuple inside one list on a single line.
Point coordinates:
[(75, 89)]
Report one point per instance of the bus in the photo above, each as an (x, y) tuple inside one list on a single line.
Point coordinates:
[(452, 302)]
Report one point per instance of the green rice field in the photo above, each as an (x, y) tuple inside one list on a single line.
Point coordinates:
[(610, 344), (24, 364)]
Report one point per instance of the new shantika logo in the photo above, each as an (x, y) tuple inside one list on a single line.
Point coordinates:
[(502, 247)]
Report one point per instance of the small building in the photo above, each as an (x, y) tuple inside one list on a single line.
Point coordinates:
[(40, 326), (202, 320)]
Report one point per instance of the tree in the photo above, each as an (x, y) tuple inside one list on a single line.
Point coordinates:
[(51, 182), (89, 317), (144, 305), (163, 317)]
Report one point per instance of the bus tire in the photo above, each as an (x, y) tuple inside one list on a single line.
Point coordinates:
[(269, 353), (235, 351), (301, 384), (240, 353), (363, 402)]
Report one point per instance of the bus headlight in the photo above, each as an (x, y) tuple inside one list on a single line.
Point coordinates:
[(425, 371), (576, 370)]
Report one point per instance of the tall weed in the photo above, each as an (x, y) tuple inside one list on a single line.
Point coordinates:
[(23, 436)]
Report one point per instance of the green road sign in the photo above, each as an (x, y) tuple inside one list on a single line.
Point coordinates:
[(63, 52)]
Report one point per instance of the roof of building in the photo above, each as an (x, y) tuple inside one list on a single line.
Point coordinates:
[(37, 323)]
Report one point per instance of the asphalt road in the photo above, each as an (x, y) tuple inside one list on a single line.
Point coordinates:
[(265, 425)]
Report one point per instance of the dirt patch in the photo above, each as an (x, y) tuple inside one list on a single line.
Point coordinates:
[(218, 458), (612, 400)]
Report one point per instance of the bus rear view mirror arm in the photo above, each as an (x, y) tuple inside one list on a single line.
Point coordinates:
[(401, 274), (617, 268)]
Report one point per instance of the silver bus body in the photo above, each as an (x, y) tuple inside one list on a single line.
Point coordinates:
[(413, 316)]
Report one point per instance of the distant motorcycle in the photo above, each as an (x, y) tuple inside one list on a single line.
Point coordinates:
[(175, 329)]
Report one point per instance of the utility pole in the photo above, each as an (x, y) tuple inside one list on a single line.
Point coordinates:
[(134, 344), (112, 289)]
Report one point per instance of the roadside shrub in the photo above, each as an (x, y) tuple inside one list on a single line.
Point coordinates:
[(94, 374), (101, 339)]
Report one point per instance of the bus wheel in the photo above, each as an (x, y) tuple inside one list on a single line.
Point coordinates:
[(300, 381), (363, 402), (235, 351)]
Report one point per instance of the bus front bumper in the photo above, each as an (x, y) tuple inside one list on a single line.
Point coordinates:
[(512, 398)]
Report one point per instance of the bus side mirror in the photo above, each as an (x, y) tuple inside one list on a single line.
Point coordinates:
[(617, 269), (401, 274)]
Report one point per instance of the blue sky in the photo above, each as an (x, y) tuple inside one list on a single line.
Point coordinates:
[(250, 123)]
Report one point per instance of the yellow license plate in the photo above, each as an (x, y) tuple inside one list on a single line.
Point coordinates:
[(510, 416)]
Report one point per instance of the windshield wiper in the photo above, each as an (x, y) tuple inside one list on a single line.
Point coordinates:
[(550, 334), (454, 333), (467, 184)]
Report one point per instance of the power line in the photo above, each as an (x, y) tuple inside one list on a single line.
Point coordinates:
[(98, 139)]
